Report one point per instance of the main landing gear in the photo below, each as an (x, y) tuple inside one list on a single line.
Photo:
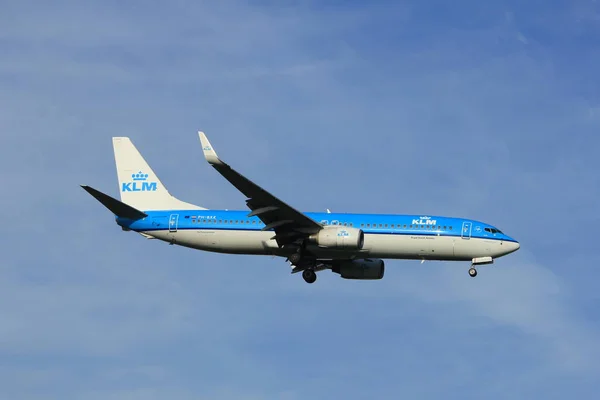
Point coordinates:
[(309, 276), (307, 266), (295, 258), (472, 272)]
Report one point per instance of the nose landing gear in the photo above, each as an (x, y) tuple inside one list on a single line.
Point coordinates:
[(479, 261)]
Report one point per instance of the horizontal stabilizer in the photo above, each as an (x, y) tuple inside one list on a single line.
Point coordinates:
[(118, 208)]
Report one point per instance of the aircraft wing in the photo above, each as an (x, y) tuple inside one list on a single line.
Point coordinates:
[(288, 223)]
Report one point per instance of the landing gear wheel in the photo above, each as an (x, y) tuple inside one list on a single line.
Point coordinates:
[(309, 276), (472, 272), (295, 258)]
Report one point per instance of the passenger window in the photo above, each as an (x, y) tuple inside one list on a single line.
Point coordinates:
[(381, 225), (386, 225), (410, 226), (351, 224), (449, 228), (362, 225), (254, 221), (392, 226), (368, 225)]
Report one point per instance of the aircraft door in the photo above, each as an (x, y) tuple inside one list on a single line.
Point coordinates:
[(173, 220), (466, 230)]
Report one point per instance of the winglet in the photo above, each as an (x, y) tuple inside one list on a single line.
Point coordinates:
[(209, 152)]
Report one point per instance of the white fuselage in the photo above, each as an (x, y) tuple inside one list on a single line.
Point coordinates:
[(375, 245)]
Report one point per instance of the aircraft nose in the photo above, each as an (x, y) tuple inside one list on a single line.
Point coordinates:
[(512, 246)]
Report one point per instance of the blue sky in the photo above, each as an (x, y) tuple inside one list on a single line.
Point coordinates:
[(487, 110)]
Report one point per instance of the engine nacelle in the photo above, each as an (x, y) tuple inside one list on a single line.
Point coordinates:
[(369, 268), (339, 237)]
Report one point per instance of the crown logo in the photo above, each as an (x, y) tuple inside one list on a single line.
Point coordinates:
[(139, 176)]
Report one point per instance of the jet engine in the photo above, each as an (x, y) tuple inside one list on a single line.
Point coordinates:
[(339, 237), (368, 268)]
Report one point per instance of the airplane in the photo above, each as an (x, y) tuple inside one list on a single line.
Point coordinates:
[(349, 244)]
